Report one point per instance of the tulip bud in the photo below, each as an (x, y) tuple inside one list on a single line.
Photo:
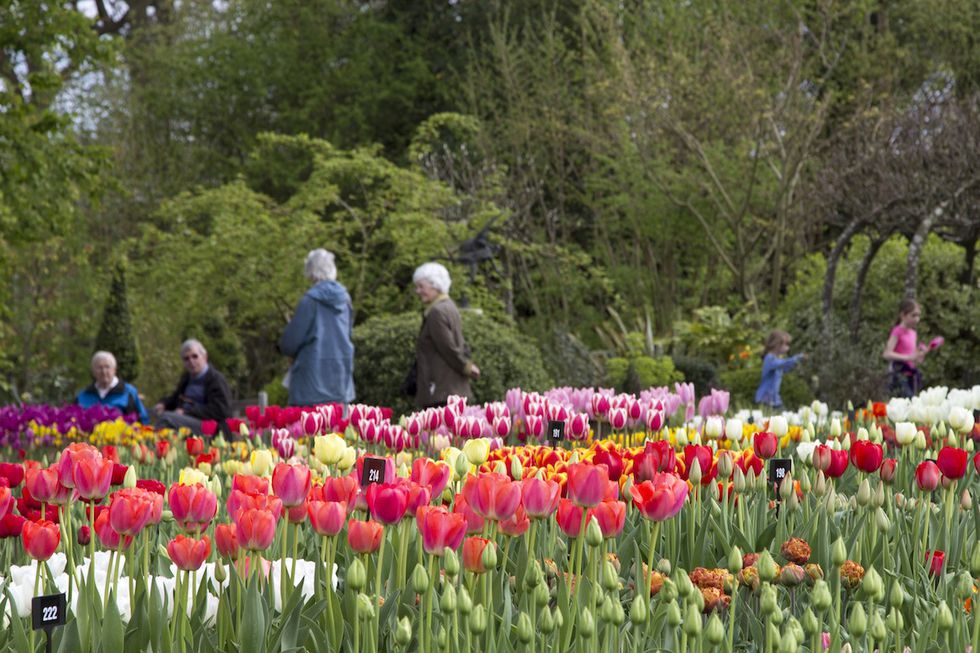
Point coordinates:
[(447, 603), (715, 631), (838, 552), (365, 607), (618, 614), (786, 488), (805, 483), (882, 522), (750, 479), (639, 610), (862, 434), (664, 566), (668, 591), (975, 560), (735, 560), (845, 648), (673, 614), (738, 480), (835, 429), (220, 573), (857, 621), (525, 632), (356, 575), (610, 579), (546, 622), (695, 472), (465, 602), (489, 558), (966, 501), (541, 595), (593, 534), (420, 579), (920, 440), (461, 466), (787, 644), (896, 596), (533, 576), (478, 620), (684, 585), (864, 493), (441, 637), (820, 487), (821, 595), (878, 629), (772, 631), (450, 562), (516, 468), (810, 622), (586, 623), (768, 604), (963, 588), (944, 617), (129, 480), (606, 613), (766, 567), (725, 465), (692, 620), (894, 622), (403, 632), (872, 585), (559, 618)]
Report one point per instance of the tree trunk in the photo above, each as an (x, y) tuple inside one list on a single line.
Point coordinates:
[(915, 251), (969, 256), (829, 277), (862, 276)]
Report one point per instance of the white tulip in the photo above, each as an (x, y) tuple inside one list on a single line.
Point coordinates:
[(905, 432), (778, 425), (961, 419), (733, 429), (713, 427)]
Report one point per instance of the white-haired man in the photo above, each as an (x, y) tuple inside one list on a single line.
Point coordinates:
[(318, 338), (202, 393)]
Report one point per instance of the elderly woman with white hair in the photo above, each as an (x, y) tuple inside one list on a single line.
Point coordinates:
[(319, 338), (442, 357), (109, 390)]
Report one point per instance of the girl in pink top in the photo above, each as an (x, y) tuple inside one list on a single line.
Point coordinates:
[(904, 352)]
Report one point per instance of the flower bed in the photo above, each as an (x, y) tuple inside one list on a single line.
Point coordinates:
[(654, 523)]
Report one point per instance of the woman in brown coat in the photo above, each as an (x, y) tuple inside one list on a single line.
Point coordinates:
[(442, 358)]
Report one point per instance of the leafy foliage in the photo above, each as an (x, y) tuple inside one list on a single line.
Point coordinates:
[(116, 331), (742, 384)]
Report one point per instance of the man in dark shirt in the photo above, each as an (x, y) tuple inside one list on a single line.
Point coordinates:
[(202, 393)]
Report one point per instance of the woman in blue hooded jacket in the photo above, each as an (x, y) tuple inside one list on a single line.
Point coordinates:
[(319, 338)]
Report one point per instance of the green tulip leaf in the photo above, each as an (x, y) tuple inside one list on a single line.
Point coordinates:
[(112, 626), (252, 635)]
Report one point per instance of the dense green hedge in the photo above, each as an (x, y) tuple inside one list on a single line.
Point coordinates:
[(505, 357), (743, 383), (641, 372)]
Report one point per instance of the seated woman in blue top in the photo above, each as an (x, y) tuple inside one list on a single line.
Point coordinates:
[(109, 390), (774, 364)]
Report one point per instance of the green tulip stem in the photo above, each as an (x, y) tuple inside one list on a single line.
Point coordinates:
[(292, 571), (976, 626), (282, 562), (731, 619), (653, 528), (427, 621), (377, 582), (530, 540), (925, 526), (947, 534)]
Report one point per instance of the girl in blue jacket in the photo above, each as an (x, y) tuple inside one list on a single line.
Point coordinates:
[(774, 363)]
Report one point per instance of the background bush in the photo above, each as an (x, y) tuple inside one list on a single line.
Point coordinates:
[(640, 372), (699, 371), (743, 383), (385, 346)]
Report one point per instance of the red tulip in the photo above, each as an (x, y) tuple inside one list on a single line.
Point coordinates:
[(656, 457), (42, 484), (474, 522), (69, 456), (195, 446), (434, 474), (838, 463), (976, 462), (340, 488), (935, 560), (209, 427), (92, 476), (540, 497), (492, 496), (6, 500), (255, 529), (108, 536), (765, 444), (364, 536), (611, 516), (440, 528), (618, 418), (587, 483), (250, 484), (473, 548), (162, 447), (40, 539), (517, 524), (612, 459), (418, 495), (118, 474), (13, 473), (226, 541), (297, 514), (238, 501), (193, 506), (578, 426), (130, 511), (952, 462), (291, 483), (660, 498), (927, 476), (188, 553), (705, 458), (327, 517), (110, 452), (84, 535), (152, 485), (387, 501), (569, 518), (887, 471), (867, 456), (11, 525)]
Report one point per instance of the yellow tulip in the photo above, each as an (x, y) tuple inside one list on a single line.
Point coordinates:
[(261, 462), (189, 476), (328, 449), (477, 450), (348, 459)]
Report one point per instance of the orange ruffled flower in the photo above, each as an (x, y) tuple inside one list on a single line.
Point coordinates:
[(851, 574), (796, 550)]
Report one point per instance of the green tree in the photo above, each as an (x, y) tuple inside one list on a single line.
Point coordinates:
[(116, 330)]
